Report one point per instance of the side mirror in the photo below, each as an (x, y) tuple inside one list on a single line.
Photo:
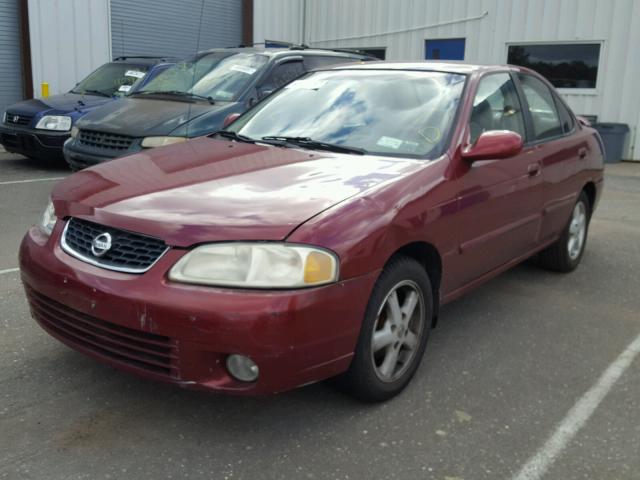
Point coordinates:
[(493, 145), (229, 119), (264, 92)]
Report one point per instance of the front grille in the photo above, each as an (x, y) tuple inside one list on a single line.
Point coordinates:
[(129, 252), (104, 140), (147, 351), (17, 119)]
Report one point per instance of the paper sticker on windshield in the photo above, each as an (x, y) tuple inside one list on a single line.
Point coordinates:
[(124, 88), (244, 69), (134, 73), (389, 142)]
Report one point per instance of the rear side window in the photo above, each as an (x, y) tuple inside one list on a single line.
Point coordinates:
[(566, 119), (283, 73), (320, 61), (546, 121), (496, 107)]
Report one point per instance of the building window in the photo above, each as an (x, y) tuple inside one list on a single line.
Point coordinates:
[(380, 52), (566, 65), (444, 49)]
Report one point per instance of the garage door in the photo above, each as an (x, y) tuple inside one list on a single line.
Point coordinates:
[(170, 28), (10, 62)]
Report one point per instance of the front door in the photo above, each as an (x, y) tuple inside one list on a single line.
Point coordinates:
[(500, 201)]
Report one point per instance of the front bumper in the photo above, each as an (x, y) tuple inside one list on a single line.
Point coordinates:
[(33, 143), (181, 334), (79, 157)]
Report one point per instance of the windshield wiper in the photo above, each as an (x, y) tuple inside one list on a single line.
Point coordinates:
[(312, 144), (177, 93), (233, 136), (94, 92)]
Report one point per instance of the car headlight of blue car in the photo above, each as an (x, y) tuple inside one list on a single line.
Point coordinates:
[(60, 123)]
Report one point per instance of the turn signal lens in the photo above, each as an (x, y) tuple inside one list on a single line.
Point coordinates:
[(318, 268)]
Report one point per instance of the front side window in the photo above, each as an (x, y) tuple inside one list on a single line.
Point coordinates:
[(496, 107), (221, 76), (569, 65), (112, 79), (405, 113), (546, 121)]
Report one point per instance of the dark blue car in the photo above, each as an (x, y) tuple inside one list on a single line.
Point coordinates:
[(38, 128), (191, 99)]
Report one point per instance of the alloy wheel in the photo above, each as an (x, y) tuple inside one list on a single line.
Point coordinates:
[(398, 330), (577, 230)]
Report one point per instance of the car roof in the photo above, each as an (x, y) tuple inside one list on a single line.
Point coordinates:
[(294, 50), (432, 66)]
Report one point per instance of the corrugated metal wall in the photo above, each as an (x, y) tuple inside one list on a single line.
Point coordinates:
[(170, 28), (10, 61), (402, 26), (69, 39)]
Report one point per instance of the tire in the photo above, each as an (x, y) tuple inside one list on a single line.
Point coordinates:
[(374, 375), (565, 254)]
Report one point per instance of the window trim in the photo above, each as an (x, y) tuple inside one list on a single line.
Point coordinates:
[(531, 140), (569, 91)]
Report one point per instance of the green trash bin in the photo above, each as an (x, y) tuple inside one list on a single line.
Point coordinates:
[(614, 137)]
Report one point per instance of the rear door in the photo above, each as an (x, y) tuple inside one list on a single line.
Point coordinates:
[(500, 201), (558, 148)]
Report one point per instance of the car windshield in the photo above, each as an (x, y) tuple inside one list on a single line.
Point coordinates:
[(220, 76), (385, 112), (111, 79)]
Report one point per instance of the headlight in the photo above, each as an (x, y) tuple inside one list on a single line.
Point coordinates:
[(48, 220), (74, 132), (153, 142), (256, 265), (54, 122)]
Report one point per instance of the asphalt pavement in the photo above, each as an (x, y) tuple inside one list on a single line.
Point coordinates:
[(517, 376)]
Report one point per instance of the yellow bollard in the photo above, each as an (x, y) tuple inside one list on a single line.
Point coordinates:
[(45, 89)]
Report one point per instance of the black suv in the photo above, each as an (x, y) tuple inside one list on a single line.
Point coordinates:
[(191, 99)]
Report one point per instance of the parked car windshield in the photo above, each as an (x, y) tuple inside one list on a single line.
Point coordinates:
[(405, 113), (221, 76), (111, 79)]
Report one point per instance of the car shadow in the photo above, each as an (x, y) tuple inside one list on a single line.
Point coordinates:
[(19, 163)]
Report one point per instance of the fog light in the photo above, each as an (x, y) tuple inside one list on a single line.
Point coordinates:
[(242, 368)]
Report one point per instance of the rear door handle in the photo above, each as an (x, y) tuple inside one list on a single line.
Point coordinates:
[(533, 169), (582, 153)]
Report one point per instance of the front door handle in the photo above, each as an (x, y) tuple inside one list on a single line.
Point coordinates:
[(533, 169)]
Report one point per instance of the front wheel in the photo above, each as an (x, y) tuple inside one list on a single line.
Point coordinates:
[(394, 333), (565, 254)]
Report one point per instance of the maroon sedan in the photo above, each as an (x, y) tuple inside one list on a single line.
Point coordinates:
[(320, 233)]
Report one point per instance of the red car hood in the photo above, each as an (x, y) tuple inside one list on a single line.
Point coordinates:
[(211, 190)]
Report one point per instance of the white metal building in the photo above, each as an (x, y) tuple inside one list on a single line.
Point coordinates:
[(587, 48)]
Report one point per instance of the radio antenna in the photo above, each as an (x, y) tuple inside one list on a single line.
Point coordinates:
[(193, 79)]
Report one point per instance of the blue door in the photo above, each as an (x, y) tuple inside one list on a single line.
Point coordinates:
[(444, 49)]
